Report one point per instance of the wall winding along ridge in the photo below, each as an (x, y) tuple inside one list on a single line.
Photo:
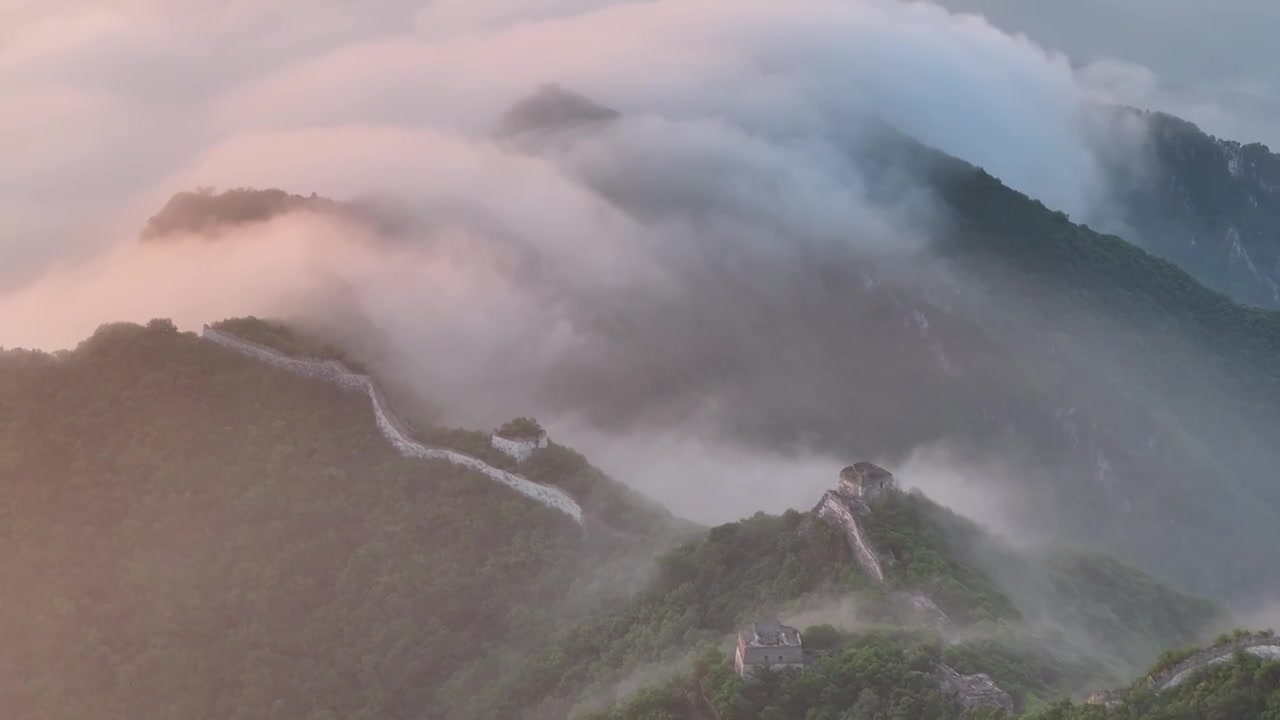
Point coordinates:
[(834, 508), (1266, 647), (391, 427), (518, 450), (1262, 645)]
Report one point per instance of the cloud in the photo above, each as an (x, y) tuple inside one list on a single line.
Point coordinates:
[(684, 270), (117, 100), (1222, 80)]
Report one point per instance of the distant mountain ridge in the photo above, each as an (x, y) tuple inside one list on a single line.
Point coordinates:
[(1142, 399), (1210, 205), (189, 530)]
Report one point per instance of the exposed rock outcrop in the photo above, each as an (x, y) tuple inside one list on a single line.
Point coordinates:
[(926, 609)]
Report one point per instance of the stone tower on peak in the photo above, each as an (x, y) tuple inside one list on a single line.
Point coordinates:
[(844, 508), (866, 482)]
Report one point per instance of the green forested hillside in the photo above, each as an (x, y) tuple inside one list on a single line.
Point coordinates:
[(205, 211), (1163, 391), (1109, 621), (1043, 624), (604, 499), (699, 592), (1123, 615), (187, 533), (1243, 687)]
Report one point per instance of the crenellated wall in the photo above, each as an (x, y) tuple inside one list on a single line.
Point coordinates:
[(519, 450), (835, 508), (1263, 646), (392, 427)]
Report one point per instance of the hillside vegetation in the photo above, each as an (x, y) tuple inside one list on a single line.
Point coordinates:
[(1110, 621), (603, 498), (1141, 399), (1161, 390), (185, 532), (191, 533), (206, 212)]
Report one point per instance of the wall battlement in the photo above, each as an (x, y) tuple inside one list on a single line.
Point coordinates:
[(390, 425), (844, 507), (519, 449), (972, 691), (1260, 645), (836, 511)]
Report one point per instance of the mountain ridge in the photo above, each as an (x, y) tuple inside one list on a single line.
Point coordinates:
[(1094, 360)]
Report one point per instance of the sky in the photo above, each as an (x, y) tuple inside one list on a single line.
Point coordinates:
[(1214, 63), (110, 106), (528, 259), (113, 107)]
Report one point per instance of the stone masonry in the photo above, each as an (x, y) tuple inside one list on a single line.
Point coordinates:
[(392, 427), (768, 644), (844, 507)]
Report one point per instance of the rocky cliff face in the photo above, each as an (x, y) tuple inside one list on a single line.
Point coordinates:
[(1212, 206)]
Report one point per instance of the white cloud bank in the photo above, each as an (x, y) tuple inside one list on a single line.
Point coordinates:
[(730, 163)]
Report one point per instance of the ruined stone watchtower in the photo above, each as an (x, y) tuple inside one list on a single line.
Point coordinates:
[(844, 507), (866, 482), (520, 438), (768, 644)]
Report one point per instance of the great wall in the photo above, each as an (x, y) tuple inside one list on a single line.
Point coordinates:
[(835, 509), (389, 424), (844, 506), (1263, 645)]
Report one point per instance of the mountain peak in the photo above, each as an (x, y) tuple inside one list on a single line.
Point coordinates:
[(553, 107)]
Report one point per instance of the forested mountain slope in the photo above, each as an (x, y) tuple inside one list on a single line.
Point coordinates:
[(1153, 395), (191, 531), (1043, 625), (1130, 398), (187, 532)]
